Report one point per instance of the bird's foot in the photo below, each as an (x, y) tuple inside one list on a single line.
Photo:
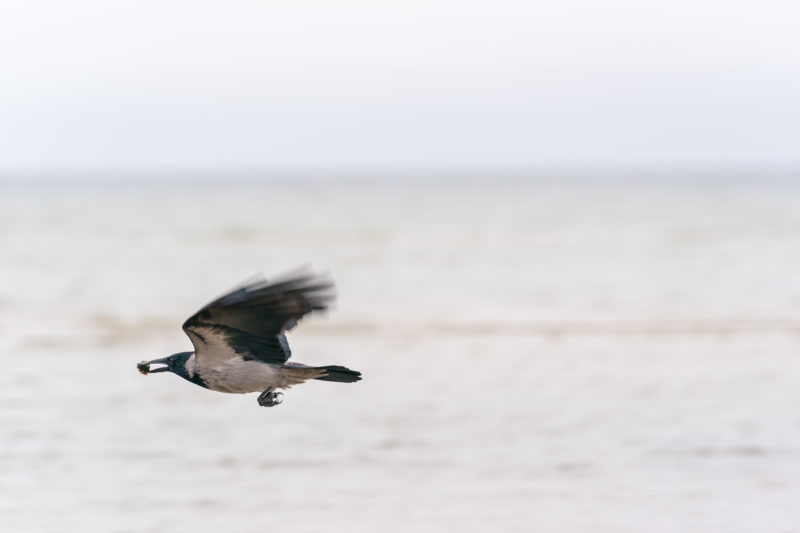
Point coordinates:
[(269, 398)]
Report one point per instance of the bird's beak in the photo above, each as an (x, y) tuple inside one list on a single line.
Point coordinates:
[(144, 366)]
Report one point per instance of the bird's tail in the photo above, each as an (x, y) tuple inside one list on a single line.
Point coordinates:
[(294, 373), (339, 374)]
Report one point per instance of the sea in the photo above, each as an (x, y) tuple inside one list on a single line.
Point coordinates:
[(539, 354)]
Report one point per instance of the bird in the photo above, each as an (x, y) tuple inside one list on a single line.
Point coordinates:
[(240, 343)]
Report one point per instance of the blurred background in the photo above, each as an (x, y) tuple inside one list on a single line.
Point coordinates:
[(564, 238)]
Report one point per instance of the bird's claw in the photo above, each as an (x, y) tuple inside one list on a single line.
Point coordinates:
[(270, 399)]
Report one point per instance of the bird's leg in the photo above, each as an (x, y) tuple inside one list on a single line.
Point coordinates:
[(269, 398)]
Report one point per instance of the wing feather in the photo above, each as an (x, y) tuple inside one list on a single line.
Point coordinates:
[(251, 319)]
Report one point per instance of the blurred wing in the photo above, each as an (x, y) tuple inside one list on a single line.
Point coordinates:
[(250, 321)]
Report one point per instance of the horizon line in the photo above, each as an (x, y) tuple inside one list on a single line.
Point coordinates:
[(712, 173)]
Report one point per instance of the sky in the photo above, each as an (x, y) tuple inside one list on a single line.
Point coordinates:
[(337, 86)]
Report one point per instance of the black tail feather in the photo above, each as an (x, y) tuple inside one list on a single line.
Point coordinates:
[(339, 374)]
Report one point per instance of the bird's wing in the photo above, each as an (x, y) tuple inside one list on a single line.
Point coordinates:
[(250, 321)]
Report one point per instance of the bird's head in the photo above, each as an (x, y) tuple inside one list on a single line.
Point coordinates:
[(175, 363)]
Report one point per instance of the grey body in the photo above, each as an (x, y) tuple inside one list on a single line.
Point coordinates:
[(240, 341)]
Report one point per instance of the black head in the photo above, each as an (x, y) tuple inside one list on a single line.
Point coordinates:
[(175, 363)]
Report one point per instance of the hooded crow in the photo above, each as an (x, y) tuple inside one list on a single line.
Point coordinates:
[(240, 341)]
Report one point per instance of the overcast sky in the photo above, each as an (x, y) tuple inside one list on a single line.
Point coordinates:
[(137, 86)]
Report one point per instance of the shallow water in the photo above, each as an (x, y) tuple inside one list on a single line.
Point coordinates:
[(579, 356)]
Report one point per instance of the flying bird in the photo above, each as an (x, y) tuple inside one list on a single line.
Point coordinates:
[(240, 341)]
